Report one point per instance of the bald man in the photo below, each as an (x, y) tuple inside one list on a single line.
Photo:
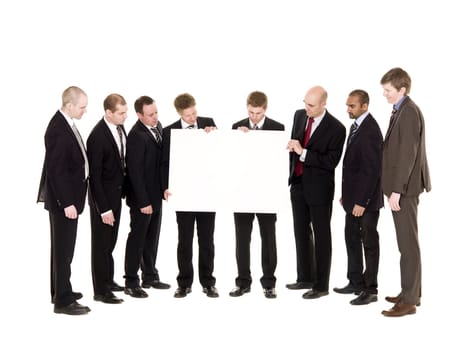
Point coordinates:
[(315, 149)]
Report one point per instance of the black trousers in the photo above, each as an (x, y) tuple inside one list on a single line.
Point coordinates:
[(362, 240), (63, 239), (103, 243), (142, 247), (312, 232), (244, 223), (205, 229)]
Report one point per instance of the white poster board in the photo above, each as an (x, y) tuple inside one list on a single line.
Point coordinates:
[(228, 170)]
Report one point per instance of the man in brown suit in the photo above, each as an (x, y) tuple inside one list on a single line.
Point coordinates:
[(405, 175)]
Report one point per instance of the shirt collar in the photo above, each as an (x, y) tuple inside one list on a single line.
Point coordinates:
[(185, 125), (399, 103), (259, 124), (68, 118), (110, 125), (361, 118)]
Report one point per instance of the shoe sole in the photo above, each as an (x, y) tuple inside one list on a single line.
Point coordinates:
[(84, 311), (384, 313), (245, 291)]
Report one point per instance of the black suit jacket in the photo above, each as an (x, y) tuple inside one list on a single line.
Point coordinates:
[(268, 124), (361, 168), (143, 160), (202, 122), (106, 173), (63, 180), (324, 151)]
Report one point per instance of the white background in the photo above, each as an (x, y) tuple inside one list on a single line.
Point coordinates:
[(219, 52)]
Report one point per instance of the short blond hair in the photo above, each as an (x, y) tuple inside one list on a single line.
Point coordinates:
[(71, 95)]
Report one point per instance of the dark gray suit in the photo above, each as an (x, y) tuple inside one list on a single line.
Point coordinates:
[(405, 171)]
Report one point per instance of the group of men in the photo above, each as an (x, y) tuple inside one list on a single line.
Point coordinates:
[(135, 166)]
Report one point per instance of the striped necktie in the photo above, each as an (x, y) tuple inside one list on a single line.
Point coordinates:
[(157, 134), (353, 130), (83, 150)]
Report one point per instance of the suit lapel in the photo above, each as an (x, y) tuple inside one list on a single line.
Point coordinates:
[(149, 134), (320, 129), (396, 120), (301, 127), (360, 130), (108, 134), (71, 133)]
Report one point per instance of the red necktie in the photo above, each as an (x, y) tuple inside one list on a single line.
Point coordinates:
[(299, 165)]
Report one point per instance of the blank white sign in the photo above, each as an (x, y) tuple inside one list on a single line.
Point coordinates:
[(228, 170)]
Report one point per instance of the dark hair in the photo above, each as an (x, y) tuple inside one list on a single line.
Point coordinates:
[(141, 102), (362, 96)]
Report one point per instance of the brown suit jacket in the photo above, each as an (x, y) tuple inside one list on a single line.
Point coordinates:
[(405, 167)]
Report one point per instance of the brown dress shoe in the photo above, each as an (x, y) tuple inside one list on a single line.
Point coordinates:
[(396, 300), (400, 309)]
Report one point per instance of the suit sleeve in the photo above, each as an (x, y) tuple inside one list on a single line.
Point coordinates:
[(95, 154), (165, 161), (59, 168), (135, 155), (370, 168), (409, 141), (330, 158)]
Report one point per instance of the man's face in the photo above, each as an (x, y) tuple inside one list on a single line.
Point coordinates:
[(118, 116), (149, 115), (256, 114), (76, 111), (392, 94), (313, 104), (189, 115), (354, 108)]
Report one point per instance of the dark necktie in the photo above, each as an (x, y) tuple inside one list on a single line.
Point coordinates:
[(299, 166), (393, 116), (121, 145), (157, 134), (255, 127), (353, 131), (83, 150), (191, 126)]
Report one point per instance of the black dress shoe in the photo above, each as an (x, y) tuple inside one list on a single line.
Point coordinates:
[(156, 285), (181, 292), (108, 298), (211, 292), (364, 298), (72, 309), (238, 291), (314, 294), (136, 292), (76, 296), (349, 289), (299, 285), (270, 293), (115, 287)]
